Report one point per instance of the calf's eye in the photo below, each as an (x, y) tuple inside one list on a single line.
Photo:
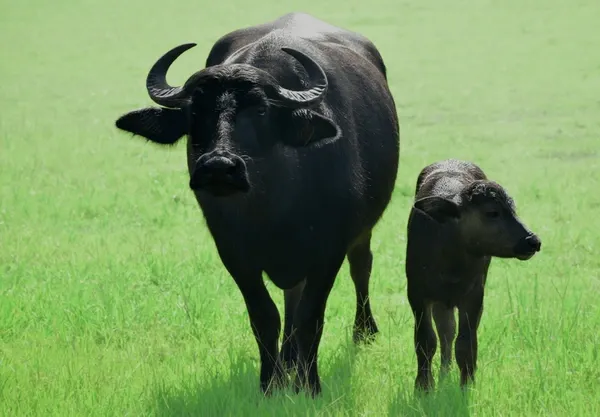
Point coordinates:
[(262, 110)]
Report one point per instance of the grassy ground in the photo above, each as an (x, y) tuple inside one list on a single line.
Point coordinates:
[(113, 300)]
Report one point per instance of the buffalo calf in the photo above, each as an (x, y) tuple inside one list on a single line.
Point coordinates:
[(459, 220)]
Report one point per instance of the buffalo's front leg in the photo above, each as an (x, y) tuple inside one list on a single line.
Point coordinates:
[(309, 321), (466, 343), (266, 325)]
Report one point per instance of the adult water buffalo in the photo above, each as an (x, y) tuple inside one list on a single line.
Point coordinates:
[(292, 151)]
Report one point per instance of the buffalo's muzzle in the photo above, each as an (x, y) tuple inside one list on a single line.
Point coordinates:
[(527, 247), (220, 174)]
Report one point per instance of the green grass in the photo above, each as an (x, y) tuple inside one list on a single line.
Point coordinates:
[(113, 301)]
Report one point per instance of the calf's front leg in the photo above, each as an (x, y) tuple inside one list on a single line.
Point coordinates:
[(469, 313), (443, 317)]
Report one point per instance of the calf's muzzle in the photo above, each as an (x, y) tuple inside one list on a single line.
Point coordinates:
[(527, 247)]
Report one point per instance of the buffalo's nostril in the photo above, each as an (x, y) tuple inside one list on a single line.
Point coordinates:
[(232, 169)]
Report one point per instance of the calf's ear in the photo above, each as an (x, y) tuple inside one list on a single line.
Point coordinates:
[(439, 208), (307, 127), (159, 125)]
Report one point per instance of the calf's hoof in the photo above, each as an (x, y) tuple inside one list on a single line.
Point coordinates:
[(424, 383), (365, 331), (466, 381), (278, 381)]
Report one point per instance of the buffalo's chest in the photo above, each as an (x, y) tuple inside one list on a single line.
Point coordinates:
[(286, 252), (288, 258)]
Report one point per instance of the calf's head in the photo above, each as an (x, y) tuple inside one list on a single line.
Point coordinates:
[(233, 114), (484, 217)]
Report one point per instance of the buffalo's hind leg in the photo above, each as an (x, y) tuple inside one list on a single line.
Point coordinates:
[(446, 328), (266, 326), (360, 259), (289, 347)]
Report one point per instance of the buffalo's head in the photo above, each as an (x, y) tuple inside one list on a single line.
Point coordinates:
[(232, 114), (484, 216)]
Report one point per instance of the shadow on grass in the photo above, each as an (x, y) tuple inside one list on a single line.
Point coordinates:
[(237, 392), (446, 400)]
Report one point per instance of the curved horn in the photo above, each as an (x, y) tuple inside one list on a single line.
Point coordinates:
[(317, 81), (156, 82)]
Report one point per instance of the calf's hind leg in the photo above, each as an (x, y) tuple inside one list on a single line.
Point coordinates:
[(360, 259), (446, 328), (425, 342)]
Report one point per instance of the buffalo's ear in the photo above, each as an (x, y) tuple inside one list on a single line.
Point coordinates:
[(159, 125), (306, 127), (438, 208)]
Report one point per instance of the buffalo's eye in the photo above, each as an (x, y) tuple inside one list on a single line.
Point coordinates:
[(261, 110), (492, 214)]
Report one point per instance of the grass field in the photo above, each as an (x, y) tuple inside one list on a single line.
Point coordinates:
[(113, 301)]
